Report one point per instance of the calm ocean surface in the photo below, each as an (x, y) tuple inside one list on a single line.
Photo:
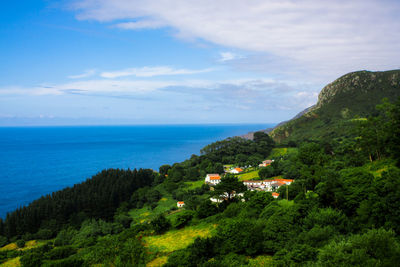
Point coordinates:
[(35, 161)]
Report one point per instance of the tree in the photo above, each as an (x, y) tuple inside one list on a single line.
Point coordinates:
[(3, 241), (183, 218), (206, 209), (228, 188), (164, 169), (160, 224), (377, 247)]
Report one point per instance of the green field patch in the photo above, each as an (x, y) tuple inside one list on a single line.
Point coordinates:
[(282, 151), (11, 263), (194, 184), (146, 214), (249, 175), (262, 260), (157, 262), (28, 245), (178, 239)]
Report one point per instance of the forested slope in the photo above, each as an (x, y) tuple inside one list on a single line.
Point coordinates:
[(351, 96), (343, 208)]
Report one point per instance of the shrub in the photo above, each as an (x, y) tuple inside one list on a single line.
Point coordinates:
[(160, 224), (20, 243), (183, 218), (3, 241), (61, 252), (44, 234)]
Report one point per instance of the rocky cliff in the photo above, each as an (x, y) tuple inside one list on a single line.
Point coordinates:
[(353, 95)]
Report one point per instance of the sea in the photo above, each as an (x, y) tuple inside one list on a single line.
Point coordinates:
[(35, 161)]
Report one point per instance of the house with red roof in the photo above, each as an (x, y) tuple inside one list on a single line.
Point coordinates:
[(213, 179), (266, 185), (235, 170), (266, 163), (180, 204)]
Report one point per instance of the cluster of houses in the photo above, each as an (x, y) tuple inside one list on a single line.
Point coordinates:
[(253, 185), (266, 185), (266, 163), (270, 185)]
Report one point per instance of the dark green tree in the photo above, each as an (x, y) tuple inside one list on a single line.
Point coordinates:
[(160, 224), (228, 188)]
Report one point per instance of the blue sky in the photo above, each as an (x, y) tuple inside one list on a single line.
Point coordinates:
[(173, 62)]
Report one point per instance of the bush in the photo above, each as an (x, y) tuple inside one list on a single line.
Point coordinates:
[(377, 247), (65, 236), (31, 259), (160, 224), (68, 262), (183, 218), (123, 219), (20, 243), (44, 234), (3, 241), (61, 253)]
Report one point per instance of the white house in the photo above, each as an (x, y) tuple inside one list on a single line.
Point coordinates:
[(180, 204), (266, 185), (275, 195), (236, 171), (215, 200), (266, 163), (213, 179), (225, 196)]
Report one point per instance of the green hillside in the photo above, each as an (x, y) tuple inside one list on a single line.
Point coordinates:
[(342, 207), (353, 95)]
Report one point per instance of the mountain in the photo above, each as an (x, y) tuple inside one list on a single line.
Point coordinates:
[(351, 96)]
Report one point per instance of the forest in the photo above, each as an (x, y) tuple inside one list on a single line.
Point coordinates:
[(343, 208)]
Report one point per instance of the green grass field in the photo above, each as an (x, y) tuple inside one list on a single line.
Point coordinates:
[(281, 151), (248, 175), (146, 214), (11, 263), (262, 260), (194, 184), (178, 239)]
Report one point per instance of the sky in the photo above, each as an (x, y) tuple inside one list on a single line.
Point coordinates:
[(105, 62)]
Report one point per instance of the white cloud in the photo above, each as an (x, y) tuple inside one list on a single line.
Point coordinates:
[(228, 56), (151, 72), (86, 74), (323, 37), (260, 93), (138, 25)]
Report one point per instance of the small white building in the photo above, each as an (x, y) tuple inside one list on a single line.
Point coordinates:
[(266, 163), (266, 185), (275, 195), (235, 170), (273, 184), (215, 200), (180, 204), (213, 179)]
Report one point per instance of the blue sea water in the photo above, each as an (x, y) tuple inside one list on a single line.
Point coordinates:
[(35, 161)]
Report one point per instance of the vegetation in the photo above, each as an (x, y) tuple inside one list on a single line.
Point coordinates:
[(335, 111), (343, 208)]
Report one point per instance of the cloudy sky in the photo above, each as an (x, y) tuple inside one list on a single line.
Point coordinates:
[(183, 61)]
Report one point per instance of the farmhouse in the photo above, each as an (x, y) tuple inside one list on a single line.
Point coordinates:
[(180, 204), (236, 171), (225, 196), (213, 179), (266, 163), (275, 195), (266, 185)]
